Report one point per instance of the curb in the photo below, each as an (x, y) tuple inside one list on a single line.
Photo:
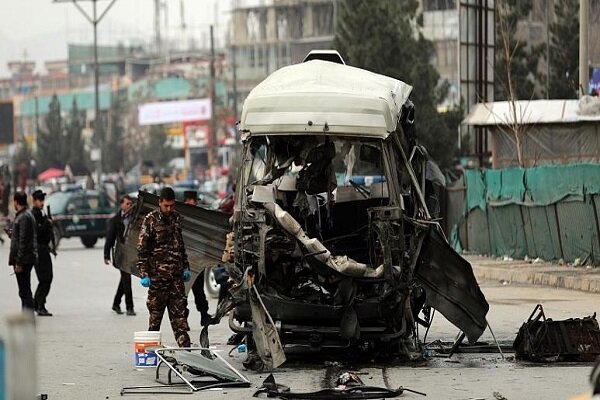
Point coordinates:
[(542, 276)]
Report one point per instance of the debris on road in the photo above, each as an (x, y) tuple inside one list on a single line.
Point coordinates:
[(542, 339), (272, 389), (499, 396), (213, 371)]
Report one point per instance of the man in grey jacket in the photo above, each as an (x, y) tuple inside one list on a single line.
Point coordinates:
[(23, 249)]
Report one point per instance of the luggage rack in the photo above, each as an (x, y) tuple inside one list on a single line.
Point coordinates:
[(199, 362)]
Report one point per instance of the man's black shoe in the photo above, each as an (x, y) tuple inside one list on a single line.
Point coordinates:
[(130, 311), (117, 309), (42, 312)]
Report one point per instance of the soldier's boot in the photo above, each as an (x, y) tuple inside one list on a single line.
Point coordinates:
[(183, 339)]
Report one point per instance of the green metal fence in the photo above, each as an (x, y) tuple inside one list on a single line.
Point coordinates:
[(550, 212)]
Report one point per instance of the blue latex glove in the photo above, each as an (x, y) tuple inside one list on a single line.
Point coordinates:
[(145, 281), (187, 275)]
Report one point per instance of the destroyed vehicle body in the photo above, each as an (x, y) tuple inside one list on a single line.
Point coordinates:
[(332, 234)]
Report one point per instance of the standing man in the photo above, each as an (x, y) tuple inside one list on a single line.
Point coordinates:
[(164, 266), (45, 239), (191, 197), (117, 226), (23, 249)]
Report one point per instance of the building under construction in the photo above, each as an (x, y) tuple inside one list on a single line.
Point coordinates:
[(274, 34)]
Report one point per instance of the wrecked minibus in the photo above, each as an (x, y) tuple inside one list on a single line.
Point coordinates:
[(333, 243)]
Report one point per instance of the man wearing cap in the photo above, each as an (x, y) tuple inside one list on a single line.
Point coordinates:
[(45, 242), (191, 197), (23, 248)]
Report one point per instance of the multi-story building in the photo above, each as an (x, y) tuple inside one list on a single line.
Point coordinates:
[(271, 34), (276, 33), (440, 25)]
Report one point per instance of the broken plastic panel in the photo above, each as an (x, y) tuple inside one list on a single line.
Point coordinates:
[(196, 369)]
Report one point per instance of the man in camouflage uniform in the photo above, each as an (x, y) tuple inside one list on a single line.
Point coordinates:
[(164, 267)]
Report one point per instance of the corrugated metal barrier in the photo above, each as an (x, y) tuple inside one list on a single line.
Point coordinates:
[(546, 212)]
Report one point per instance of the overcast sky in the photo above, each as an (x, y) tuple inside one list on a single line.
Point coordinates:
[(41, 29)]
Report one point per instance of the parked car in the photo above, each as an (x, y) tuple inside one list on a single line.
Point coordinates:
[(83, 214)]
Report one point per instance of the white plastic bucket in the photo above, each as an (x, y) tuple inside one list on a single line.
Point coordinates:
[(141, 340)]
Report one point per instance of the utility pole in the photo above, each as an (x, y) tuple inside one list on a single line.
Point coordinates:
[(213, 120), (235, 93), (157, 38), (584, 12), (547, 49), (235, 103), (94, 20)]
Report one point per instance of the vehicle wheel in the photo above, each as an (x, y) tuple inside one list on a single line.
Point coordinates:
[(211, 287), (89, 241), (57, 236)]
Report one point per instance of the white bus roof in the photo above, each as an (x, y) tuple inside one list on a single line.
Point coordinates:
[(324, 97)]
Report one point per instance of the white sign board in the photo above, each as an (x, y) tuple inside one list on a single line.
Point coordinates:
[(174, 111)]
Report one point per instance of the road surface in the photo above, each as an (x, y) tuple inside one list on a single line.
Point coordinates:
[(86, 351)]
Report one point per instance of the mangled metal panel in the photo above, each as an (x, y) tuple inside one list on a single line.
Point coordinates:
[(451, 286), (543, 339), (204, 234)]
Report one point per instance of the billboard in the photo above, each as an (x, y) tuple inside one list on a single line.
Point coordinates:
[(7, 128), (165, 112)]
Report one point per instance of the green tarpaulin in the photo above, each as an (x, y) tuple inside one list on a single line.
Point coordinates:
[(550, 184), (539, 186), (548, 212)]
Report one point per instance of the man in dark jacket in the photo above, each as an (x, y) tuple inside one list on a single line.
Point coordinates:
[(23, 249), (45, 241), (116, 231), (164, 267)]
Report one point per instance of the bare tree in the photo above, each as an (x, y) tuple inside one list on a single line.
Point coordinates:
[(510, 44)]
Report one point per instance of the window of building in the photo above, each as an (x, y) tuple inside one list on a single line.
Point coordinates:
[(282, 26), (260, 60), (253, 25)]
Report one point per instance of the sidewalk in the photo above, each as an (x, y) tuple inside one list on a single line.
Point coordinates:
[(544, 273)]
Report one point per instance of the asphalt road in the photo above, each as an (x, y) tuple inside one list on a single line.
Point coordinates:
[(86, 351)]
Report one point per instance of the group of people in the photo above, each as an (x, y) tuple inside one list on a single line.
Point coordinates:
[(162, 260), (31, 246)]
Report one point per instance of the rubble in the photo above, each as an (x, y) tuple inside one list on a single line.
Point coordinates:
[(542, 339)]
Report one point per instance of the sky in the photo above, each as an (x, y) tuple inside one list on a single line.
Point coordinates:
[(39, 30)]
